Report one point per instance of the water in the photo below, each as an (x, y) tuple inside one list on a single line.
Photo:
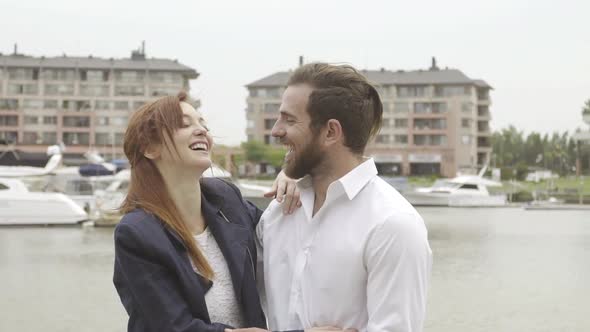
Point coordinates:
[(494, 270)]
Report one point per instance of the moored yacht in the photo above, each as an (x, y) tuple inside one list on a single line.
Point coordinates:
[(19, 206), (465, 190)]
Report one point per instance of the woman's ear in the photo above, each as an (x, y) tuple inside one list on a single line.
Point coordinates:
[(152, 152)]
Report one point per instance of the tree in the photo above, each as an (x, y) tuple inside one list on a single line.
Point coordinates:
[(586, 108), (258, 152)]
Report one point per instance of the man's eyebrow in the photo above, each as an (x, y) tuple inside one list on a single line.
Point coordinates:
[(286, 113)]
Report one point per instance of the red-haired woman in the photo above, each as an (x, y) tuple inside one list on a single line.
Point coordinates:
[(185, 254)]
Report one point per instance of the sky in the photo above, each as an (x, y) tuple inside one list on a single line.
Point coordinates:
[(535, 54)]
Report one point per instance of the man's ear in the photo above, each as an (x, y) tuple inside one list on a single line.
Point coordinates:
[(152, 152), (333, 132)]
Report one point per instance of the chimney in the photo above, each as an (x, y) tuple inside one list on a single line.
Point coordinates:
[(143, 47), (433, 67), (300, 60), (15, 49)]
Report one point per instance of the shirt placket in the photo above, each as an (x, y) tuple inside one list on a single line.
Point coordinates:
[(297, 309)]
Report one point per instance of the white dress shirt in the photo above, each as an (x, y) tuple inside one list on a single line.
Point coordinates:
[(363, 261)]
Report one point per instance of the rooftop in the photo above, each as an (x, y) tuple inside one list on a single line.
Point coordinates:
[(434, 75), (138, 61)]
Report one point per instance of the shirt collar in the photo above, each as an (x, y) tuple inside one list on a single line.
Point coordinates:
[(358, 177), (352, 182)]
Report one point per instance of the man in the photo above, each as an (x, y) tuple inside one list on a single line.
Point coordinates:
[(356, 254)]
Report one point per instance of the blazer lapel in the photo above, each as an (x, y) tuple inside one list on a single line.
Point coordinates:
[(232, 239)]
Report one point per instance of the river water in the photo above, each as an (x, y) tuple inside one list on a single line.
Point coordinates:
[(502, 269)]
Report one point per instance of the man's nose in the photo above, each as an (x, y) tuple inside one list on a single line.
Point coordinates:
[(277, 130)]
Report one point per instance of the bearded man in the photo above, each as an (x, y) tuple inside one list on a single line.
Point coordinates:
[(356, 254)]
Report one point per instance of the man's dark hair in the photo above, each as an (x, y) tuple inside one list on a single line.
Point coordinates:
[(343, 94)]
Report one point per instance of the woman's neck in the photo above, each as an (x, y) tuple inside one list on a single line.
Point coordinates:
[(185, 191)]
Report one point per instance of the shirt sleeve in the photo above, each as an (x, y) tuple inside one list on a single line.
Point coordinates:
[(398, 261), (147, 286), (258, 236)]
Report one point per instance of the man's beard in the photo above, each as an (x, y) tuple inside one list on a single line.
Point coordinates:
[(305, 161)]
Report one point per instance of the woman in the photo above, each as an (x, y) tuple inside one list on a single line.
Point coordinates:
[(184, 251)]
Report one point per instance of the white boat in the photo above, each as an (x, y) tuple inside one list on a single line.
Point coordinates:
[(464, 191), (19, 206), (53, 163)]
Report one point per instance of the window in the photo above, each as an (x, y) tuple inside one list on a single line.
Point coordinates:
[(50, 104), (8, 104), (382, 139), (383, 91), (50, 120), (438, 140), (267, 139), (23, 89), (411, 91), (75, 105), (102, 121), (426, 124), (269, 123), (386, 107), (250, 124), (32, 104), (271, 108), (401, 123), (423, 108), (166, 78), (21, 74), (31, 138), (76, 138), (466, 139), (49, 138), (76, 121), (59, 89), (122, 105), (400, 139), (468, 186), (129, 76), (31, 120), (450, 91), (467, 107), (156, 91), (9, 136), (129, 90), (8, 120), (59, 74), (386, 123), (102, 105), (102, 139), (94, 75), (120, 121), (466, 123), (94, 90), (421, 140)]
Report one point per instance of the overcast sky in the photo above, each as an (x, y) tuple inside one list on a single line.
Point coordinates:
[(536, 54)]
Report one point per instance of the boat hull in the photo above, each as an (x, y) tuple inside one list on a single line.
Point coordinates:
[(39, 209)]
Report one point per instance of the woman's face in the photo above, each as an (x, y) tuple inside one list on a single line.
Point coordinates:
[(192, 141)]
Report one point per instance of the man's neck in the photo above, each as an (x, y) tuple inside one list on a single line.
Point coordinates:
[(333, 168)]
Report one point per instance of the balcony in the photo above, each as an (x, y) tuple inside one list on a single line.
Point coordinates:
[(484, 142)]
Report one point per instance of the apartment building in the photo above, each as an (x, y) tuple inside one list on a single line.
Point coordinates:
[(84, 102), (435, 121)]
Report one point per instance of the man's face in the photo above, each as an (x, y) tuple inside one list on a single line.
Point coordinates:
[(292, 128)]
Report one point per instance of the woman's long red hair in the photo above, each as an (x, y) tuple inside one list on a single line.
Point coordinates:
[(147, 190)]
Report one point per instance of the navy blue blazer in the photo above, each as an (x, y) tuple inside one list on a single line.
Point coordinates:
[(154, 277)]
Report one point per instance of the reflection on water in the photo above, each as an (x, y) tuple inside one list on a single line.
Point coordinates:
[(494, 270)]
